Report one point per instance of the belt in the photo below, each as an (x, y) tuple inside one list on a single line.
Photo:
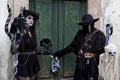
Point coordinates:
[(89, 55), (27, 53)]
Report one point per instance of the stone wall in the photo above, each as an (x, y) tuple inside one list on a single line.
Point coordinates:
[(18, 4), (94, 8), (111, 15), (5, 56)]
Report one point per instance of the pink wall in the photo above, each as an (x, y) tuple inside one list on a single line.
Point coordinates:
[(94, 8)]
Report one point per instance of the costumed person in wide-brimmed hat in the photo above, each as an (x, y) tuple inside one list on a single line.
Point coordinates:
[(23, 27), (87, 44)]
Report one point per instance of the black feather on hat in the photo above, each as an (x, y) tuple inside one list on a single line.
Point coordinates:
[(87, 18), (29, 12)]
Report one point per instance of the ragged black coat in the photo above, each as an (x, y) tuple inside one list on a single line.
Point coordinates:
[(97, 44)]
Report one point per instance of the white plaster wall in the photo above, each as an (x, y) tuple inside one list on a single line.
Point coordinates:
[(18, 4), (111, 14), (5, 56), (6, 59)]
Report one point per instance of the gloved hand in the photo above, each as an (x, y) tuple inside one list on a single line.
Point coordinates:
[(54, 55), (57, 55)]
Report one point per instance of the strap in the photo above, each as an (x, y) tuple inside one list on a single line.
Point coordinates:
[(88, 39), (7, 22)]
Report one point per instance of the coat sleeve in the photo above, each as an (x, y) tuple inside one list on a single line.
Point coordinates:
[(14, 25), (100, 43)]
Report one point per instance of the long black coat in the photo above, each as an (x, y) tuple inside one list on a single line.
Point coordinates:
[(97, 44)]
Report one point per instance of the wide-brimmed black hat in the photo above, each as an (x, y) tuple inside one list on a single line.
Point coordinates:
[(87, 18), (29, 12)]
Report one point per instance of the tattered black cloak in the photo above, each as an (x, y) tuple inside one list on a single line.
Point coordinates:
[(97, 42)]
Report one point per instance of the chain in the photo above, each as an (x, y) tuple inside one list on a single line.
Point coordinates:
[(25, 61)]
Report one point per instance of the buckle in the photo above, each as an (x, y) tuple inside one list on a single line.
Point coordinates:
[(88, 56)]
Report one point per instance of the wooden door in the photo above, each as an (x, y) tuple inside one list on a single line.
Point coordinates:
[(58, 22)]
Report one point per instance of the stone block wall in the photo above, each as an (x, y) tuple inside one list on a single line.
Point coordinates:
[(6, 58), (110, 12), (94, 8), (18, 4)]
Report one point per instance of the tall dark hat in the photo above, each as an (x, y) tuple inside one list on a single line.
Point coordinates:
[(87, 18), (29, 12)]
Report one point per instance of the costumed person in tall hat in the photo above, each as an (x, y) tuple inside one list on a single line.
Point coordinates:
[(28, 64), (87, 44)]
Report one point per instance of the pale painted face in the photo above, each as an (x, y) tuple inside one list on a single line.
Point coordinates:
[(29, 20)]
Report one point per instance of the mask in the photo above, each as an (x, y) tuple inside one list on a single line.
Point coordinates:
[(88, 27)]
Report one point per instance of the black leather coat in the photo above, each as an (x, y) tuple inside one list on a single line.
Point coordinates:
[(97, 44)]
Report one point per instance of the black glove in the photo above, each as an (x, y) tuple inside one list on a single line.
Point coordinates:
[(57, 54), (15, 25), (54, 55)]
